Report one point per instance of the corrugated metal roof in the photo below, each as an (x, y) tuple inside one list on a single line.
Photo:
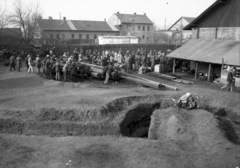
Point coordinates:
[(77, 25), (210, 51), (133, 18)]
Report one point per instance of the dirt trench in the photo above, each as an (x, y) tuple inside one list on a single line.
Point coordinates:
[(127, 116)]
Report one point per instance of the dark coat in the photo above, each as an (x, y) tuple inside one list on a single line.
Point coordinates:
[(74, 70)]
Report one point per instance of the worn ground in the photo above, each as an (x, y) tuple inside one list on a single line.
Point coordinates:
[(44, 123)]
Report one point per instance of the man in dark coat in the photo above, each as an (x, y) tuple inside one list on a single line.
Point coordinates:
[(12, 63), (74, 73), (26, 61), (19, 63), (230, 80)]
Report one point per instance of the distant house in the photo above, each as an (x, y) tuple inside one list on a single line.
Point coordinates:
[(10, 35), (73, 31), (215, 40), (133, 24), (176, 30)]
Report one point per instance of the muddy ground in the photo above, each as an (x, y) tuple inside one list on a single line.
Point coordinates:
[(44, 123)]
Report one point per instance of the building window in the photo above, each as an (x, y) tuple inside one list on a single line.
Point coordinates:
[(237, 73), (95, 36), (72, 36), (143, 37), (57, 36), (133, 27), (102, 34), (148, 28), (143, 28), (51, 36), (63, 36), (80, 36), (87, 36), (139, 28)]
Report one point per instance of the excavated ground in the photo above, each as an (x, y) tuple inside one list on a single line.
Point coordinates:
[(128, 116), (45, 123)]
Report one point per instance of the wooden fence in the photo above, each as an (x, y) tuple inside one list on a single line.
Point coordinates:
[(60, 49)]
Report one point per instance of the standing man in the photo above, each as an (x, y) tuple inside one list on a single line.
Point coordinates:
[(230, 80), (38, 63), (12, 63), (30, 64), (26, 61), (65, 68), (108, 73), (74, 73), (19, 63), (57, 70)]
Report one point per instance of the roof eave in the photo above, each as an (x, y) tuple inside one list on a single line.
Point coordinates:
[(188, 27), (81, 30)]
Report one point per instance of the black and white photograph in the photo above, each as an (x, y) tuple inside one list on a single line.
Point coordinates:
[(119, 83)]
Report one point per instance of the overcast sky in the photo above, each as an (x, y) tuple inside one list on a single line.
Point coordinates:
[(156, 10)]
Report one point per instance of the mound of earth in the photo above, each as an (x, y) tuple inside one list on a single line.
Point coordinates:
[(191, 129)]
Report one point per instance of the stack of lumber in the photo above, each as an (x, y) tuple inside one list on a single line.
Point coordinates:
[(169, 77), (98, 70), (146, 82)]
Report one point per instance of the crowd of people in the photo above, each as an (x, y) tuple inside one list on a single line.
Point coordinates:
[(71, 67)]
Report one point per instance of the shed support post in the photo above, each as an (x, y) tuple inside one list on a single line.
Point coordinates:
[(209, 72), (196, 70), (174, 64)]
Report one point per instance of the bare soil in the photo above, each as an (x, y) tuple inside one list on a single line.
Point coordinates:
[(45, 123)]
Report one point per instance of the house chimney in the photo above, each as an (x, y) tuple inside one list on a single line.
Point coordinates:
[(117, 13), (134, 13), (50, 18), (64, 18), (105, 19), (145, 14)]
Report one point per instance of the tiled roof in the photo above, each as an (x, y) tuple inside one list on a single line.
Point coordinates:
[(76, 25), (92, 25), (48, 24), (14, 32), (133, 18)]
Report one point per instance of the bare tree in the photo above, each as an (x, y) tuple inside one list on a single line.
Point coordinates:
[(26, 17), (4, 18), (160, 36)]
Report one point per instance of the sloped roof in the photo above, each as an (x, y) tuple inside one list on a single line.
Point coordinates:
[(74, 25), (133, 18), (188, 19), (13, 32), (49, 24), (92, 25), (229, 14), (209, 51)]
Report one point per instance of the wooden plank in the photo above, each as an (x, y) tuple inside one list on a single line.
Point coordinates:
[(174, 63), (209, 72), (196, 70), (183, 81), (151, 84), (96, 75), (162, 76)]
